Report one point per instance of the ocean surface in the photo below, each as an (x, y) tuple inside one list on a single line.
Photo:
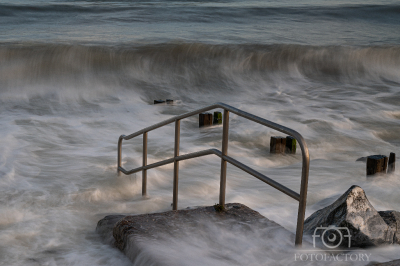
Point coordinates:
[(75, 75)]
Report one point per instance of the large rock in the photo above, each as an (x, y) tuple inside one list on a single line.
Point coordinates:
[(392, 218), (105, 227), (351, 213), (200, 236), (389, 263)]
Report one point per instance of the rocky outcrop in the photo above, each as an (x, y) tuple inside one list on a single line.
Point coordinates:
[(105, 227), (392, 218), (158, 225), (389, 263), (234, 235), (351, 218)]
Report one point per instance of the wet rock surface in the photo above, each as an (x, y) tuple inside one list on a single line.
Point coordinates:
[(389, 263), (201, 234), (357, 221), (105, 227), (152, 225), (392, 218)]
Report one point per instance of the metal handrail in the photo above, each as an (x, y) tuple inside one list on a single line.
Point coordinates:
[(302, 197)]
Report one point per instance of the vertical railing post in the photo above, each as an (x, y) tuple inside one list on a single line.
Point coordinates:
[(119, 154), (303, 194), (144, 171), (225, 133), (176, 165)]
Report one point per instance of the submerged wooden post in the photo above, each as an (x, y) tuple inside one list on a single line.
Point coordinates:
[(217, 118), (290, 145), (376, 164), (277, 144), (205, 119), (392, 161)]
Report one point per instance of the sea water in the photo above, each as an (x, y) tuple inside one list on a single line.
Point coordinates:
[(75, 75)]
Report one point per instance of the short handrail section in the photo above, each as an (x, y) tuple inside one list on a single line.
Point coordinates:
[(302, 197)]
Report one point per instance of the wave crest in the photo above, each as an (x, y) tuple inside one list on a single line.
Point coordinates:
[(193, 63)]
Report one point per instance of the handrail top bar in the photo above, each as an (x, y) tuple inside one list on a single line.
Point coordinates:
[(217, 152), (232, 109)]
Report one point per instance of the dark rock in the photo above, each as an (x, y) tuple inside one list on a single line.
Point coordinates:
[(352, 212), (362, 159), (200, 236), (389, 263), (106, 225), (157, 224), (158, 101), (392, 218)]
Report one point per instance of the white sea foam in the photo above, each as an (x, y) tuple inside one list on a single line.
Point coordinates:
[(68, 92)]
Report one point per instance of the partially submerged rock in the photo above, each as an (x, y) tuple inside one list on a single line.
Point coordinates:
[(105, 227), (351, 213), (392, 218), (362, 159), (389, 263), (200, 236)]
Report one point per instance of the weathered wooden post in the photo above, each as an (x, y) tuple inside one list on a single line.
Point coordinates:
[(217, 118), (277, 144), (205, 119), (376, 164), (392, 161), (290, 145)]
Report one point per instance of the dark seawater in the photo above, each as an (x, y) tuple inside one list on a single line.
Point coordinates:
[(74, 75), (264, 22)]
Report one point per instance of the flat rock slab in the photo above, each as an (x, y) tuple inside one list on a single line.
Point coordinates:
[(199, 236)]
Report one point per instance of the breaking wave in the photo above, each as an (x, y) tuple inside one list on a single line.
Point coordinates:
[(195, 63)]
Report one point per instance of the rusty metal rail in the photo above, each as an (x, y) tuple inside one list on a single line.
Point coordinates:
[(223, 154)]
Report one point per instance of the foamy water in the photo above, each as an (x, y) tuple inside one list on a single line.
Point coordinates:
[(67, 92)]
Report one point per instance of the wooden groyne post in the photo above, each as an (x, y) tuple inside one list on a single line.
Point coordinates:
[(392, 162), (205, 119), (376, 164)]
